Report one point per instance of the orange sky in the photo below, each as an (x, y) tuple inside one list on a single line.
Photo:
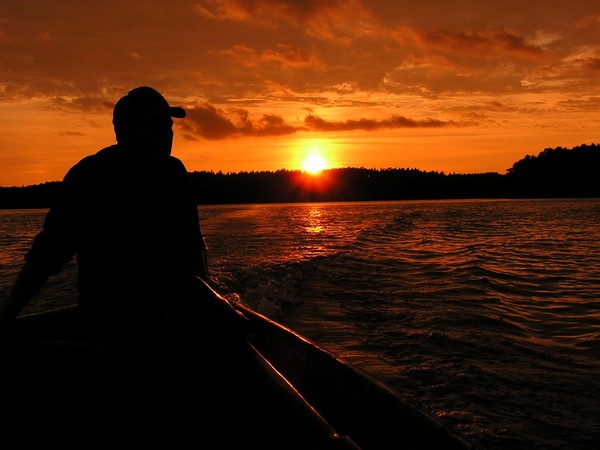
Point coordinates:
[(454, 86)]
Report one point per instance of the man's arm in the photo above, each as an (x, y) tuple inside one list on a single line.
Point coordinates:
[(30, 280)]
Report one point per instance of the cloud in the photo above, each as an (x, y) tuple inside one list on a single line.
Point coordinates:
[(292, 57), (316, 123), (209, 122), (267, 12), (349, 44), (589, 22), (332, 20), (70, 133), (80, 104), (346, 22), (478, 42), (285, 56)]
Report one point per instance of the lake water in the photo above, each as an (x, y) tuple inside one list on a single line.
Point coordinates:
[(484, 312)]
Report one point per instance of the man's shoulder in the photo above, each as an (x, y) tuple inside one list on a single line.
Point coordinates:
[(177, 163), (91, 163), (104, 154), (110, 151)]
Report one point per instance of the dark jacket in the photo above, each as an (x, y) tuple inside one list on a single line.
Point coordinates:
[(133, 228)]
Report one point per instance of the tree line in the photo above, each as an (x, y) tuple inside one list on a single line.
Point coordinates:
[(554, 173)]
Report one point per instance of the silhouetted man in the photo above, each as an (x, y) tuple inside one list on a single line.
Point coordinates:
[(128, 214)]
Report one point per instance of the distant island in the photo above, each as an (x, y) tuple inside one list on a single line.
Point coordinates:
[(553, 173)]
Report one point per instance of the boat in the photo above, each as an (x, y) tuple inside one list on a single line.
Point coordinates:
[(283, 391)]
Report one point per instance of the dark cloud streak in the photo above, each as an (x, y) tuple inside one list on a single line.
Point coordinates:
[(318, 124), (209, 122)]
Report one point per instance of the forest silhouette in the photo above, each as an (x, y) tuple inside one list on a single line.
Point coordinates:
[(553, 173)]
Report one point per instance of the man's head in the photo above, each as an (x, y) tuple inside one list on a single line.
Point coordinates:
[(142, 121)]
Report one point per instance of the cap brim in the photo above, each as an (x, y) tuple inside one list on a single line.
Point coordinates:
[(177, 112), (174, 111)]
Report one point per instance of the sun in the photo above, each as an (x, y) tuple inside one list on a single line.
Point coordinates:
[(314, 163)]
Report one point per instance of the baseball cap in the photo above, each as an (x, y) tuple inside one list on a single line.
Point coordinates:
[(143, 103)]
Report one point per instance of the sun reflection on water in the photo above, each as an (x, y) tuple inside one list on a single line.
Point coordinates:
[(314, 223)]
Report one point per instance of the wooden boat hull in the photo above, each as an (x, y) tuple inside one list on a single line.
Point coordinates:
[(354, 403), (279, 391)]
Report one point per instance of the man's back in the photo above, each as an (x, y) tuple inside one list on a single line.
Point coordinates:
[(134, 228), (127, 213)]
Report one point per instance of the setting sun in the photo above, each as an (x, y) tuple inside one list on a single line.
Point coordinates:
[(314, 162)]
